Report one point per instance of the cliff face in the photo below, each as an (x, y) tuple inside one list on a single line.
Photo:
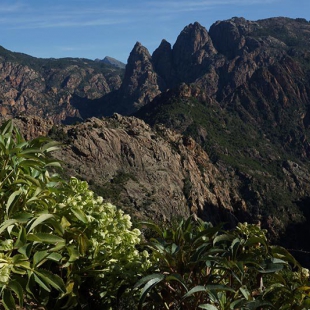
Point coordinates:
[(150, 173)]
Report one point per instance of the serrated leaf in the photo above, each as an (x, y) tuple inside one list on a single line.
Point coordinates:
[(52, 279), (41, 283)]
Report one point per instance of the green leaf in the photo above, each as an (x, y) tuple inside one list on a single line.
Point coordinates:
[(80, 215), (50, 146), (245, 293), (8, 300), (42, 218), (56, 257), (152, 226), (208, 307), (18, 290), (38, 280), (271, 268), (45, 238), (221, 238), (83, 243), (11, 200), (148, 278), (237, 304), (21, 239), (26, 250), (176, 277), (6, 224), (19, 258), (196, 289), (52, 279), (219, 287), (73, 253), (148, 287), (39, 256), (256, 304)]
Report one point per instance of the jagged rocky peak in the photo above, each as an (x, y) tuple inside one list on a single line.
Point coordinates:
[(141, 84), (162, 61), (229, 36), (139, 53), (193, 39)]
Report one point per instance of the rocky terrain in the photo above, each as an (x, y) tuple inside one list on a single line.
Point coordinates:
[(57, 89), (150, 173), (225, 131)]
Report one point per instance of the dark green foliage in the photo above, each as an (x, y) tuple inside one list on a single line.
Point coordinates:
[(196, 265)]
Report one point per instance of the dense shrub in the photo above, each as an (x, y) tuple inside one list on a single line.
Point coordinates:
[(60, 245), (196, 265)]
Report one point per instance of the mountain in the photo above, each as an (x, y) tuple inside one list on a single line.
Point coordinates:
[(113, 62), (219, 62), (60, 89), (221, 126)]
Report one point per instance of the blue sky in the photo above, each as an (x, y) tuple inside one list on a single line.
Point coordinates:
[(98, 28)]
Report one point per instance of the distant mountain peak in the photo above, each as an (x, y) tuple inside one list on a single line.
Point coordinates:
[(113, 62)]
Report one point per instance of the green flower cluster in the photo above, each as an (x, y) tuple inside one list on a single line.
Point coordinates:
[(111, 257)]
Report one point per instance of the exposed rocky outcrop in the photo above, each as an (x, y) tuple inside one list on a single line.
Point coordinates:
[(150, 173)]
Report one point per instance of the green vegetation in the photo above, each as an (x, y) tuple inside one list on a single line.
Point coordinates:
[(196, 265), (62, 247)]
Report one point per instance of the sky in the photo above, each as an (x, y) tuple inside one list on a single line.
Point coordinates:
[(98, 28)]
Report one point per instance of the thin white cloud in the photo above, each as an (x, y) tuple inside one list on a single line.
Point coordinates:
[(206, 4), (60, 16), (66, 24), (11, 8)]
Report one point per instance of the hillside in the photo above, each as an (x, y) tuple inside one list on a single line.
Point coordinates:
[(59, 89)]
